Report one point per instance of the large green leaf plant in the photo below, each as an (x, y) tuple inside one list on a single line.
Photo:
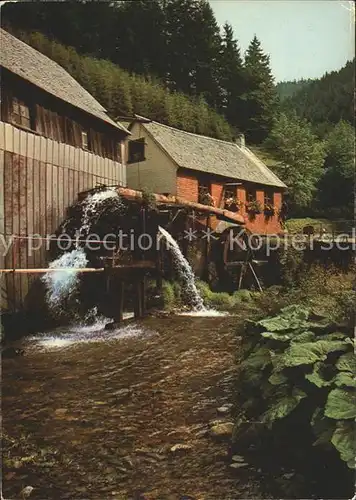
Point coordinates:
[(300, 361)]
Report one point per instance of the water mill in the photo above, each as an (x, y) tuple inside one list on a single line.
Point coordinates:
[(177, 251)]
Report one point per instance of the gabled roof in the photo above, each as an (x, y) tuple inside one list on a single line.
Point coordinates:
[(214, 156), (26, 62)]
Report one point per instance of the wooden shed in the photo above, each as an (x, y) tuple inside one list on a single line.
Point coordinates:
[(56, 140)]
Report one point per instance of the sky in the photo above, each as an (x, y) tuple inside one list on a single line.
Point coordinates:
[(304, 38)]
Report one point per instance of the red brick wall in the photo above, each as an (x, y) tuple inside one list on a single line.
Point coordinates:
[(187, 186), (216, 193), (261, 224)]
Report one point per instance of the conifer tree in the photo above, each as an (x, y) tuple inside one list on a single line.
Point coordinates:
[(260, 97), (231, 77), (193, 44), (207, 46)]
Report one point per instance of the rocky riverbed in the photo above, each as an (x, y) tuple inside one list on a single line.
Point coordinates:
[(147, 415)]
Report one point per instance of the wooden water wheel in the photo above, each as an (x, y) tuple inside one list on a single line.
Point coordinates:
[(238, 254)]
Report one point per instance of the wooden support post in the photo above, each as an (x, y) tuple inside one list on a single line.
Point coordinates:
[(207, 251), (159, 280), (138, 300), (242, 272), (119, 312), (255, 276), (143, 294), (185, 241)]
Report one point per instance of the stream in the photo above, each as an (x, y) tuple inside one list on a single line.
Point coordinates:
[(127, 413), (123, 414)]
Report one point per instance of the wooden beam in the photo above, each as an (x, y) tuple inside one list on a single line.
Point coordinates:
[(51, 270), (132, 194), (119, 303), (255, 276)]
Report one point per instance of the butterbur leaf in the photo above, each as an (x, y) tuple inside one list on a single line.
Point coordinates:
[(341, 404), (352, 463), (252, 367), (344, 379), (334, 336), (324, 438), (316, 417), (277, 378), (291, 317), (323, 428), (344, 441), (283, 407), (304, 337), (257, 360), (276, 336), (347, 363), (316, 376), (309, 352)]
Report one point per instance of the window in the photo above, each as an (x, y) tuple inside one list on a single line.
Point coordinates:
[(136, 151), (204, 194), (85, 143), (230, 192), (230, 198), (268, 197), (251, 194), (20, 113)]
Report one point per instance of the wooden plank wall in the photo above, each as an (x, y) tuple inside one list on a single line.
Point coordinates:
[(39, 180)]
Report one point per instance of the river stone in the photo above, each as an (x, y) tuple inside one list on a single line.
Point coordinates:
[(226, 408), (121, 393), (180, 447), (222, 429), (238, 465)]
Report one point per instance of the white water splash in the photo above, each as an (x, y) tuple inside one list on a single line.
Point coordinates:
[(61, 284), (185, 272), (79, 334), (205, 313), (90, 208)]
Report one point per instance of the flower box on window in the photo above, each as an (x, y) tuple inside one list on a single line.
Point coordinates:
[(253, 207), (206, 199), (233, 204), (269, 209)]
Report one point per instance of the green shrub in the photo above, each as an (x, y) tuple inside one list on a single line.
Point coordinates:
[(295, 226), (242, 296), (177, 290), (204, 290), (300, 363), (221, 301), (168, 297), (148, 199)]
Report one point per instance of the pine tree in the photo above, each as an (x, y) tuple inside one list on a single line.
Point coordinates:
[(193, 45), (124, 94), (180, 26), (206, 51), (139, 44), (260, 96), (231, 77)]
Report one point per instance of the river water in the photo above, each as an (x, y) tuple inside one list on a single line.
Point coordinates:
[(97, 418)]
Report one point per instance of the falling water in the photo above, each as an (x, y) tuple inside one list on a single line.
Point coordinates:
[(90, 208), (61, 285), (185, 272)]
